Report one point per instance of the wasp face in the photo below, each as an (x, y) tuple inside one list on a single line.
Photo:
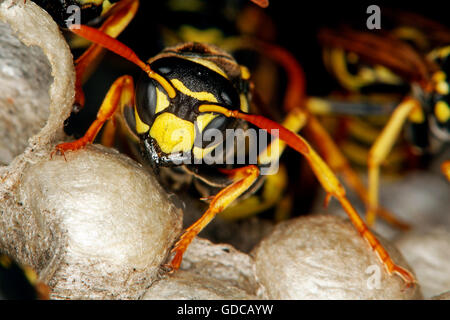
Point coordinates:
[(172, 129), (441, 95)]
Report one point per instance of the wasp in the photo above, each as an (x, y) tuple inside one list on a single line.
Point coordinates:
[(19, 282), (413, 56), (182, 92)]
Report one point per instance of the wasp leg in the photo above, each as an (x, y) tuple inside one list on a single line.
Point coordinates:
[(271, 195), (109, 133), (121, 15), (445, 168), (380, 149), (243, 179), (339, 164), (326, 177), (119, 97), (333, 187)]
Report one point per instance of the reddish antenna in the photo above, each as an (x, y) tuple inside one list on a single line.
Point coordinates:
[(122, 50), (291, 139), (261, 3)]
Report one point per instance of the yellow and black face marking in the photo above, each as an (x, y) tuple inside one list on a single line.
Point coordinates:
[(172, 128)]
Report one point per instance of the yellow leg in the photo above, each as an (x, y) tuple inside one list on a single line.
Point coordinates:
[(114, 101), (382, 147), (243, 179), (121, 15), (358, 154)]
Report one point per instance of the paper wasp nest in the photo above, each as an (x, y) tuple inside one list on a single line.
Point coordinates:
[(323, 257), (36, 77)]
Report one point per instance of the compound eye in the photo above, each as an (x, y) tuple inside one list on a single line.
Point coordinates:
[(218, 123), (147, 98), (211, 130), (130, 120)]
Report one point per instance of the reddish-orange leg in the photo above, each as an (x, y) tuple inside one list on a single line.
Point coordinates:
[(243, 178), (326, 178), (339, 163)]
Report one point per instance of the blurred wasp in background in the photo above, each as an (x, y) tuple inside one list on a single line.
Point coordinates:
[(407, 64)]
